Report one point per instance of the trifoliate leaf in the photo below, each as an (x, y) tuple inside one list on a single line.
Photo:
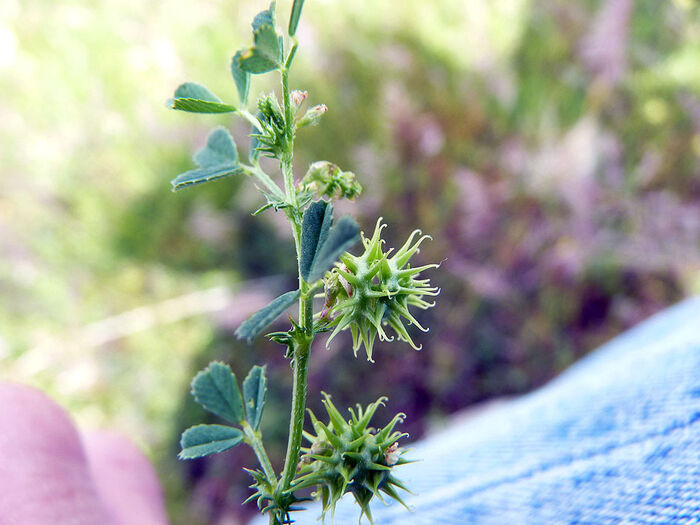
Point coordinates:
[(294, 17), (241, 78), (266, 55), (315, 227), (266, 17), (216, 389), (341, 237), (254, 393), (202, 175), (195, 98), (256, 323), (219, 151), (203, 440)]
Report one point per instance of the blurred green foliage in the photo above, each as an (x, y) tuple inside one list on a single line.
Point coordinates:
[(552, 148)]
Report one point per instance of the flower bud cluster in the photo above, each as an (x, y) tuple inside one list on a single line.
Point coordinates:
[(365, 293), (272, 137)]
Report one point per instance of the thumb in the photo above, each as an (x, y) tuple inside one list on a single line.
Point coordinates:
[(125, 480), (44, 475)]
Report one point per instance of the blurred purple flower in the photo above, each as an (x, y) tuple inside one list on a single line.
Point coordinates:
[(603, 50)]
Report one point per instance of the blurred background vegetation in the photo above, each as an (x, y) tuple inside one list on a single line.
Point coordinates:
[(552, 148)]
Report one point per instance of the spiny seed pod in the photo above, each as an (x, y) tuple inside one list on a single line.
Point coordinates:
[(367, 292), (349, 456)]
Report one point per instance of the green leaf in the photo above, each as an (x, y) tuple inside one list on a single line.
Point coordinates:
[(196, 91), (343, 235), (219, 151), (256, 323), (195, 98), (217, 159), (252, 61), (241, 78), (202, 175), (216, 389), (315, 228), (321, 243), (266, 17), (294, 17), (267, 41), (254, 393), (266, 55), (203, 440), (193, 105)]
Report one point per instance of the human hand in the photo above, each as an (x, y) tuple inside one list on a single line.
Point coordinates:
[(50, 473)]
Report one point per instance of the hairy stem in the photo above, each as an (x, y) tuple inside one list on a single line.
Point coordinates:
[(302, 344), (301, 358), (296, 423)]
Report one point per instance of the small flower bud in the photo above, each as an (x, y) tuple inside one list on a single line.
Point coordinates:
[(331, 289), (312, 116), (320, 447), (298, 97), (346, 285), (392, 454)]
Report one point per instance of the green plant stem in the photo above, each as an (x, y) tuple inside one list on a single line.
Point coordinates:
[(252, 119), (254, 439), (264, 178), (303, 343), (301, 359), (292, 53), (296, 423)]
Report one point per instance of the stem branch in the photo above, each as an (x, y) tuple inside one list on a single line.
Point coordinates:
[(252, 119), (254, 439), (265, 179)]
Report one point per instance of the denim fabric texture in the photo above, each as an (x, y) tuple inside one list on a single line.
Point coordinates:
[(613, 440)]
